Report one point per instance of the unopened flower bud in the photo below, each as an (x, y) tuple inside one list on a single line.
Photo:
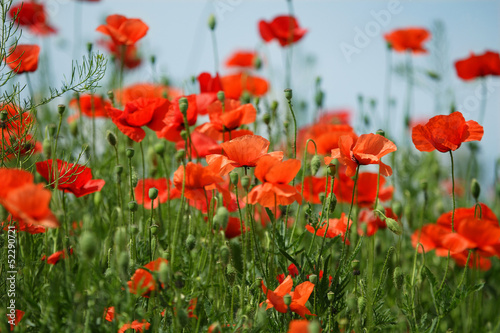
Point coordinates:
[(322, 197), (61, 108), (266, 118), (245, 182), (257, 63), (320, 95), (88, 245), (183, 105), (475, 188), (97, 198), (331, 296), (163, 272), (394, 226), (332, 202), (234, 178), (190, 242), (111, 137), (184, 135), (398, 278), (332, 169), (313, 278), (153, 193), (179, 155), (315, 164), (3, 116), (246, 97), (212, 22), (222, 216), (47, 148), (287, 299), (274, 106), (225, 254), (130, 152), (381, 132), (221, 96), (159, 148), (132, 206)]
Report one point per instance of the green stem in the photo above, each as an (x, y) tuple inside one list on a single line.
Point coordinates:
[(346, 235)]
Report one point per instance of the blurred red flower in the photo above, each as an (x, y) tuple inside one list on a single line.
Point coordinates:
[(24, 58), (127, 55), (16, 133), (32, 15), (55, 257), (23, 226), (313, 186), (135, 325), (409, 39), (299, 326), (476, 66), (122, 30), (446, 132), (242, 59), (233, 228), (201, 145), (332, 229), (173, 122), (366, 189), (109, 313), (372, 221), (235, 84), (19, 315), (90, 105), (163, 186), (199, 179), (143, 281), (209, 87), (325, 135), (146, 90), (72, 178), (285, 29)]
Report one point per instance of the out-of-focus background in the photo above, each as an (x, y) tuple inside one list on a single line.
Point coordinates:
[(344, 46)]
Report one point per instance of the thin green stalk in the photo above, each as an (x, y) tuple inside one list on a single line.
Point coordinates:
[(346, 234), (173, 243)]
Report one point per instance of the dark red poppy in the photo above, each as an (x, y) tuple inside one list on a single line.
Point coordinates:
[(445, 133), (476, 66), (72, 178), (285, 29), (32, 15), (235, 84), (148, 112), (24, 58), (173, 122), (163, 186), (122, 30), (409, 39), (143, 281), (26, 201), (233, 228), (91, 105), (245, 59)]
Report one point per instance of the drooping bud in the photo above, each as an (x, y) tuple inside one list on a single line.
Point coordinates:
[(475, 188), (394, 226), (184, 135), (135, 177), (398, 278), (315, 164), (234, 178), (288, 94), (332, 202), (266, 118), (111, 137), (120, 238)]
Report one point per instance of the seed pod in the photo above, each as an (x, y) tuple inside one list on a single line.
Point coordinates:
[(288, 94), (313, 278), (61, 108), (153, 193), (221, 96), (381, 132), (331, 296), (130, 152), (132, 206)]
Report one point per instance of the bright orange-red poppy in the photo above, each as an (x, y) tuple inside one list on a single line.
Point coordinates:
[(446, 132), (275, 177), (24, 58), (149, 112), (19, 315), (173, 122), (201, 145), (72, 178), (32, 15), (332, 229), (109, 313), (25, 200), (313, 186), (136, 326), (199, 180), (244, 151), (299, 297), (366, 189), (242, 59), (91, 105), (285, 29), (209, 87), (23, 226), (122, 30), (325, 135), (146, 90), (299, 326), (367, 149), (165, 191), (143, 281), (235, 84), (409, 39), (476, 66)]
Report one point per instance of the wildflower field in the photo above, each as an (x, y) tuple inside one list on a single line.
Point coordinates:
[(240, 198)]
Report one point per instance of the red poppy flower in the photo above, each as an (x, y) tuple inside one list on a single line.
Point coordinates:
[(135, 325), (26, 201), (334, 228), (199, 179), (55, 257), (209, 87), (91, 105), (148, 112), (373, 222), (242, 59), (336, 117), (366, 189), (24, 58), (32, 15), (109, 313), (127, 55), (476, 66), (16, 130), (313, 186), (173, 122), (275, 177), (325, 135), (122, 30), (299, 297), (445, 133), (299, 326), (73, 178), (23, 226), (293, 270), (228, 199), (142, 281), (18, 316), (201, 144), (235, 84), (146, 90), (233, 228), (163, 186), (244, 151), (367, 149), (285, 29), (410, 39)]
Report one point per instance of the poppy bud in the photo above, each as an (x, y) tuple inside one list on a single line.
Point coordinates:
[(89, 47), (394, 226), (97, 198), (123, 261), (331, 296), (322, 197), (313, 278), (51, 129), (190, 242), (287, 299), (332, 168), (245, 182), (361, 304), (153, 193), (288, 94), (3, 116), (153, 228), (398, 277), (221, 96), (183, 105), (320, 95), (73, 128), (111, 137), (132, 206), (61, 108), (118, 169), (222, 215), (230, 273), (120, 238), (315, 164), (397, 208), (111, 96), (266, 118), (381, 132), (224, 254), (47, 148), (274, 106), (184, 135), (257, 63), (212, 22), (256, 101), (475, 188), (355, 264), (245, 97), (286, 124), (135, 177), (159, 148), (332, 202), (234, 178), (163, 272), (88, 245), (179, 155), (130, 152)]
